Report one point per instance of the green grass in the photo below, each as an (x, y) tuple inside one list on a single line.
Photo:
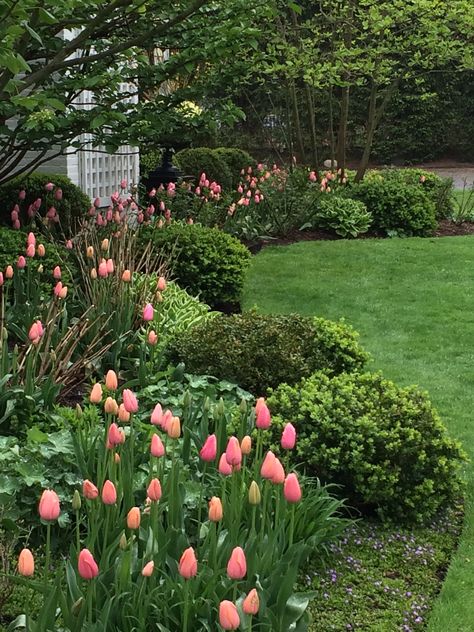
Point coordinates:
[(412, 301)]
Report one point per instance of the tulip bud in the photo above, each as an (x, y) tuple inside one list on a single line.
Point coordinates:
[(41, 250), (114, 436), (90, 252), (147, 570), (154, 489), (174, 428), (288, 437), (111, 381), (161, 285), (89, 490), (251, 603), (224, 468), (126, 276), (105, 244), (130, 401), (103, 272), (76, 501), (69, 245), (188, 564), (215, 509), (57, 273), (21, 263), (123, 414), (228, 616), (279, 473), (220, 408), (268, 466), (63, 292), (109, 493), (78, 411), (291, 489), (148, 312), (30, 250), (233, 453), (157, 448), (255, 496), (123, 542), (237, 564), (263, 419), (93, 274), (246, 445), (76, 606), (133, 518), (86, 565), (26, 563), (49, 508), (9, 272), (110, 266), (208, 451), (152, 338), (243, 407), (96, 394)]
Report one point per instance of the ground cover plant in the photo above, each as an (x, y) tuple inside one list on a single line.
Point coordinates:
[(411, 301)]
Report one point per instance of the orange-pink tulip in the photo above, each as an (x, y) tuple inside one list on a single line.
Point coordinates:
[(215, 509), (9, 272), (292, 489), (237, 564), (263, 420), (21, 263), (161, 285), (49, 508), (111, 381), (31, 239), (57, 273), (89, 490), (251, 603), (109, 493), (26, 563), (126, 276), (133, 518), (110, 266), (246, 445), (228, 615), (30, 250), (103, 269), (157, 415), (174, 428), (154, 490), (188, 564), (111, 406), (224, 468), (114, 435), (148, 312), (148, 569), (268, 466), (279, 473), (96, 394), (86, 565), (152, 338), (123, 414), (41, 250)]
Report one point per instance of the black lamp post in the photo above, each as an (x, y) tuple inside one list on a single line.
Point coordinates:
[(164, 173)]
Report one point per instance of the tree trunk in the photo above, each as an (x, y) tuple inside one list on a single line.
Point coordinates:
[(296, 118), (312, 123), (373, 120), (332, 138), (342, 132)]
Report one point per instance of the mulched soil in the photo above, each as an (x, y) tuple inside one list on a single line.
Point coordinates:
[(446, 228)]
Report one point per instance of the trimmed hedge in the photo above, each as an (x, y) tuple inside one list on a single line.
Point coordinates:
[(236, 160), (206, 262), (260, 351), (72, 207), (385, 445), (193, 162)]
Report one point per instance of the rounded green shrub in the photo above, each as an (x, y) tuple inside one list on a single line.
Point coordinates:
[(345, 216), (71, 208), (236, 160), (206, 262), (438, 189), (13, 244), (193, 162), (396, 207), (260, 351), (385, 445)]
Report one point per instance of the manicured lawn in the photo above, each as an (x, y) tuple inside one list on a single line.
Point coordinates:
[(412, 300)]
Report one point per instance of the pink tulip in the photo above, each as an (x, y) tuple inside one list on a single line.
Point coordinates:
[(157, 448), (147, 570), (237, 564), (157, 415), (9, 272), (26, 563), (188, 564), (208, 451), (49, 187), (69, 244), (33, 334), (57, 288), (14, 215), (167, 417), (30, 250), (292, 489), (16, 224), (111, 381), (49, 508), (89, 490), (130, 401), (110, 266), (58, 194), (123, 183), (1, 279), (57, 273), (152, 338), (288, 437), (96, 394), (86, 565), (109, 493), (224, 468), (21, 263), (173, 428), (263, 420), (233, 453), (148, 312), (97, 202), (114, 435), (31, 239), (22, 194), (228, 615), (161, 285), (103, 269), (268, 466)]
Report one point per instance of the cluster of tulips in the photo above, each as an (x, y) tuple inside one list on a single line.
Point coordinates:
[(52, 194), (140, 542)]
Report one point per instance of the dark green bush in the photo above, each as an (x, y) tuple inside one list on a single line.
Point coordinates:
[(345, 216), (396, 207), (13, 244), (384, 444), (259, 351), (205, 261), (236, 160), (193, 162), (149, 160), (438, 189), (71, 208)]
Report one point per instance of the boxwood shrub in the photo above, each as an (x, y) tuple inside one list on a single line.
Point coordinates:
[(236, 160), (72, 207), (396, 207), (385, 445), (206, 262), (258, 351)]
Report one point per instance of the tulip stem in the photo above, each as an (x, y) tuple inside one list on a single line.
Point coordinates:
[(201, 491), (292, 525), (186, 606), (78, 535), (48, 552)]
